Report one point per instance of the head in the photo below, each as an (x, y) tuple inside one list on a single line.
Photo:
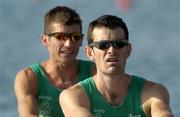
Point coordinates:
[(62, 33), (108, 21), (63, 15), (109, 48)]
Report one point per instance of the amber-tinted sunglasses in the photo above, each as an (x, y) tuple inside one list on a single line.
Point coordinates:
[(105, 44), (64, 36)]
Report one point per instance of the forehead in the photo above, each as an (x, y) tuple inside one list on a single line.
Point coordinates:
[(59, 27), (103, 33)]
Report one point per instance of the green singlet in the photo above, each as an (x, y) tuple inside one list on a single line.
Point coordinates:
[(48, 95), (131, 106)]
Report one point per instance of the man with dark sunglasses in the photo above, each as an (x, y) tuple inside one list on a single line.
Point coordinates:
[(112, 92), (38, 86)]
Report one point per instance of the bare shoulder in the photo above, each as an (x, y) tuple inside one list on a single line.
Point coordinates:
[(74, 100), (74, 89), (156, 90), (25, 91), (75, 95), (25, 81), (155, 100)]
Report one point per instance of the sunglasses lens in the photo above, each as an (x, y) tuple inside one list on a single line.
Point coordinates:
[(119, 45), (64, 36), (103, 45), (106, 44), (60, 36), (76, 37)]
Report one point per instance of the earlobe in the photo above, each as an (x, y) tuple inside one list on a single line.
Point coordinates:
[(89, 53)]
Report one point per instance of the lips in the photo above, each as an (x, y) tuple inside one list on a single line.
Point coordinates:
[(67, 51), (112, 60)]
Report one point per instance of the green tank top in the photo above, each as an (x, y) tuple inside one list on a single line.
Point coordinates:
[(48, 95), (130, 107)]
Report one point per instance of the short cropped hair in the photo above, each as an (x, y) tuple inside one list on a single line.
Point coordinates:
[(108, 21), (61, 14)]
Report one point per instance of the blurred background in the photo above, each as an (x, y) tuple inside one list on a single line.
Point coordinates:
[(154, 27)]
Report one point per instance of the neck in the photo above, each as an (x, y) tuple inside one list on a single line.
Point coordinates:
[(61, 66), (60, 74), (113, 88)]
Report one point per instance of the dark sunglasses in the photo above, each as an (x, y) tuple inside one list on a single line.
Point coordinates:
[(105, 44), (64, 36)]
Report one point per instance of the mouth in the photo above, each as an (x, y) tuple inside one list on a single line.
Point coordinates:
[(112, 60), (66, 51)]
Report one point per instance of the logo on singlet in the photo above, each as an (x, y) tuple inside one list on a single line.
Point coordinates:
[(44, 106), (98, 112)]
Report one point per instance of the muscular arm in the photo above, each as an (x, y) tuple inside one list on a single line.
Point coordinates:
[(25, 91), (74, 102), (158, 99), (160, 103)]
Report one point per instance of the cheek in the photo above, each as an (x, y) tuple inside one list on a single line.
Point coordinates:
[(123, 52), (123, 57), (99, 58), (55, 47), (75, 48)]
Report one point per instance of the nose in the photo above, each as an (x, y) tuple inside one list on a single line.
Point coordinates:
[(67, 42), (111, 49)]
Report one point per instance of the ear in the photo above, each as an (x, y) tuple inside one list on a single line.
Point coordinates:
[(45, 40), (89, 53), (128, 49)]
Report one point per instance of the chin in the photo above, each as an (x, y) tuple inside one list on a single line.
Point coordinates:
[(112, 71)]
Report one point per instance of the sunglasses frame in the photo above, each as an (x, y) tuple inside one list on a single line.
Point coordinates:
[(64, 36), (105, 44)]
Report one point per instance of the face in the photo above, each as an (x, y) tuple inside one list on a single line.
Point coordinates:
[(112, 59), (63, 49)]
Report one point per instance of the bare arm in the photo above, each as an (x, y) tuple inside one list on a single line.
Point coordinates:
[(158, 99), (160, 103), (74, 102), (25, 91)]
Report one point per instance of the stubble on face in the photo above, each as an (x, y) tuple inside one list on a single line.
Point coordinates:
[(110, 61), (65, 51)]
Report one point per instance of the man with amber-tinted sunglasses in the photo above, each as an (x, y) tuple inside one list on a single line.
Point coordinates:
[(38, 86), (112, 92)]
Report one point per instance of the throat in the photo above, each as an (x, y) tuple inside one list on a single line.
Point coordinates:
[(66, 78), (64, 84), (63, 80), (115, 100), (113, 97)]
